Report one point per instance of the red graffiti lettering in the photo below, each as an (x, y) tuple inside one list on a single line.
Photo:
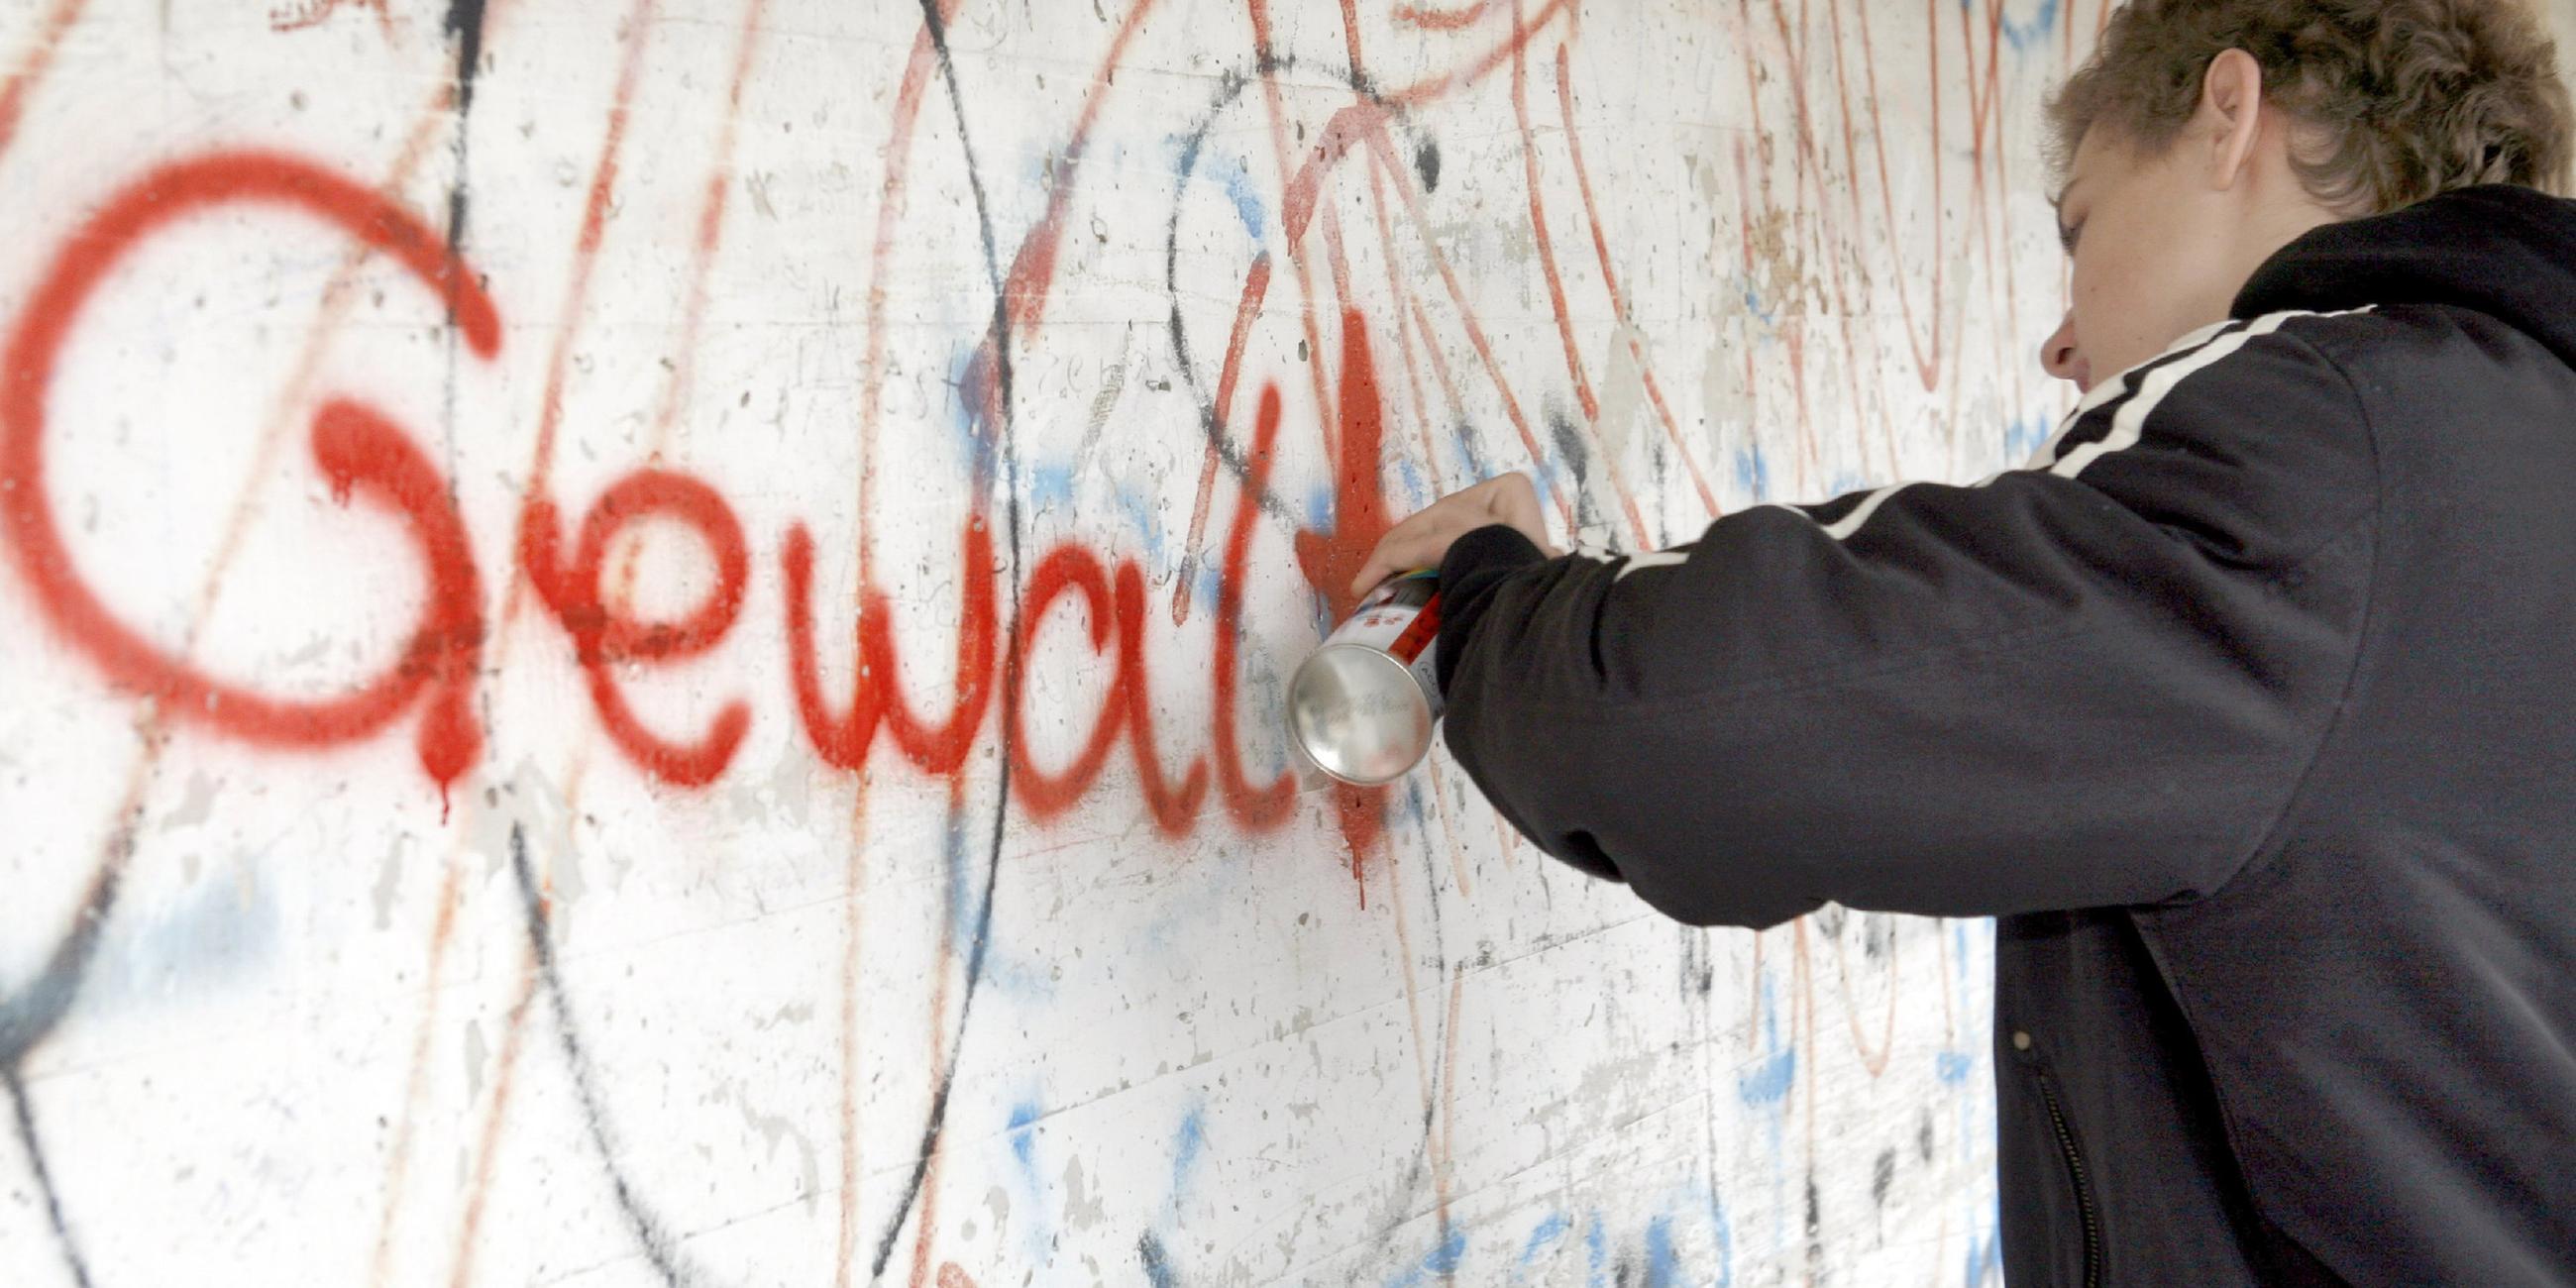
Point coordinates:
[(605, 635), (1128, 703), (358, 450), (942, 749), (1255, 809), (1066, 568), (361, 450), (876, 691), (1173, 807)]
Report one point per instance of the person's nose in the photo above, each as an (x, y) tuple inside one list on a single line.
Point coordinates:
[(2058, 355)]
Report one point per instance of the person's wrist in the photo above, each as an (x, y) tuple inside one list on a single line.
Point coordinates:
[(1492, 547)]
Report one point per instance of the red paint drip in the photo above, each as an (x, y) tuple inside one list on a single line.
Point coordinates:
[(1331, 560), (1256, 286)]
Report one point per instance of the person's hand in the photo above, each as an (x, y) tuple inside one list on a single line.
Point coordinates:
[(1421, 541)]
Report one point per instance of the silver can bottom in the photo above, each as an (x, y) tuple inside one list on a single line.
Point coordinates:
[(1359, 714)]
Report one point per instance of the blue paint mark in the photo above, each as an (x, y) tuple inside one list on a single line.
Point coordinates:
[(1417, 489), (1023, 1137), (1188, 162), (1148, 518), (1413, 804), (1596, 1241), (2021, 36), (1954, 1066), (1753, 304), (1551, 1229), (1753, 472), (1985, 1253), (1464, 440), (1158, 1263), (1773, 1081), (1551, 480), (1445, 1258), (971, 381), (952, 858), (1985, 1225), (1319, 508), (1051, 486), (2024, 438), (1725, 1240), (1769, 1084), (1185, 1150), (1229, 175), (1662, 1266), (1247, 202), (1441, 1261), (216, 934), (1023, 1140), (1211, 583), (1019, 978)]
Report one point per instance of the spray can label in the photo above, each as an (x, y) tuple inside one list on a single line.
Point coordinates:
[(1362, 707), (1401, 617)]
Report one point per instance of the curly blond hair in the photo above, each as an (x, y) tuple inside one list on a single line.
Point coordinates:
[(2396, 99)]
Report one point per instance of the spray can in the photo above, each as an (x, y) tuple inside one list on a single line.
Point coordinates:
[(1362, 706)]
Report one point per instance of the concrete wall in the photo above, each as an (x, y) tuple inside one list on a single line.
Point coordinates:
[(580, 704)]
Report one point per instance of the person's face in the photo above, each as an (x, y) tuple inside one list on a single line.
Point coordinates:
[(2153, 257), (2163, 239)]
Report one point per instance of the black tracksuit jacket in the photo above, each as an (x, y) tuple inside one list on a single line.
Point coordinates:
[(2249, 706)]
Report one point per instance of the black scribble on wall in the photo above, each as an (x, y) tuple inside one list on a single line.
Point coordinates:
[(997, 349), (1578, 465), (26, 1123), (30, 1015), (649, 1230)]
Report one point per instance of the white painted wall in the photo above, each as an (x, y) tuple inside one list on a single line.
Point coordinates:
[(276, 1008)]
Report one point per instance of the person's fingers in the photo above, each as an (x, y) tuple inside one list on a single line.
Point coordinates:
[(1422, 538), (1516, 503), (1404, 537), (1397, 552), (1418, 542)]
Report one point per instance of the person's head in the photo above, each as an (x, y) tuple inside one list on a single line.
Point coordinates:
[(2204, 135)]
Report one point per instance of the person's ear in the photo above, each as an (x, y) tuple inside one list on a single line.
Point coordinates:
[(2231, 111)]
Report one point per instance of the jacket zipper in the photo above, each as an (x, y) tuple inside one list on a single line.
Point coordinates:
[(2083, 1192)]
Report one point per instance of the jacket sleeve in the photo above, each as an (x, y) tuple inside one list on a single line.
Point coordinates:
[(2094, 681)]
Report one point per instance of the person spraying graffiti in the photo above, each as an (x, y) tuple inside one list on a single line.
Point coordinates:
[(2244, 705)]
